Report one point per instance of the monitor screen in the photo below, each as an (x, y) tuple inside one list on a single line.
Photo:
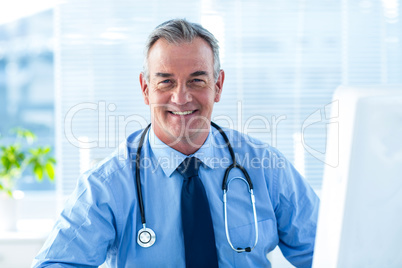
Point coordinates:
[(360, 218)]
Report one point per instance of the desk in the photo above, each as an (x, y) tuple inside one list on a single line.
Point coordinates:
[(18, 249)]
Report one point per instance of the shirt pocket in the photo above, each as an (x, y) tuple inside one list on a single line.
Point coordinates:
[(244, 236)]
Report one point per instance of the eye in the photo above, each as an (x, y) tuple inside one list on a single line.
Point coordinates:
[(165, 84), (196, 83)]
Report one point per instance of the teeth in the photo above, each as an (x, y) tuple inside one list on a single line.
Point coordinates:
[(183, 113)]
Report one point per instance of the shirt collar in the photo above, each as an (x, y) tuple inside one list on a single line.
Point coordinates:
[(169, 159)]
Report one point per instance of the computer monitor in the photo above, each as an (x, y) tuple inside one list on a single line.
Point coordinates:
[(360, 217)]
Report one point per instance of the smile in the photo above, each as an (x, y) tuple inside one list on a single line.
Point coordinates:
[(183, 113)]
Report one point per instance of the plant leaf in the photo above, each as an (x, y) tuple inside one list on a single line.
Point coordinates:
[(35, 152), (17, 164), (38, 170), (50, 171), (6, 163), (52, 160), (28, 135), (17, 157), (31, 160)]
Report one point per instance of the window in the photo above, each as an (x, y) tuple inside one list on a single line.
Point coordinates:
[(283, 61), (27, 84)]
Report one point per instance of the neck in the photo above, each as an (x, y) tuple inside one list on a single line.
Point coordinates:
[(187, 148), (188, 144)]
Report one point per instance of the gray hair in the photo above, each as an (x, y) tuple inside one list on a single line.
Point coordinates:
[(177, 31)]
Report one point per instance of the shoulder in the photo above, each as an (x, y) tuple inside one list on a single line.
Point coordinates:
[(258, 157), (120, 162), (243, 143)]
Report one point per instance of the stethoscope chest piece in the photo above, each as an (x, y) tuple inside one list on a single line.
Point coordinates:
[(146, 237)]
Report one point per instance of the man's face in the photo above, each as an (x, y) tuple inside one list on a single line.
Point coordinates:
[(181, 90)]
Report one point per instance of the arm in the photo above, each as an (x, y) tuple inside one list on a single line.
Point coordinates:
[(296, 210), (85, 229)]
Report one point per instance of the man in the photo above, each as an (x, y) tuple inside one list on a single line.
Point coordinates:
[(181, 82)]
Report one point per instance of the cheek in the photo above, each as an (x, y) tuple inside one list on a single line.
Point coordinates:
[(156, 97), (159, 103), (210, 99)]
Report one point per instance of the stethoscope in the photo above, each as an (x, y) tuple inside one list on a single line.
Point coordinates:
[(146, 236)]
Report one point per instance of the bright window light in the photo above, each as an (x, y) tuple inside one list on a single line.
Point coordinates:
[(13, 10)]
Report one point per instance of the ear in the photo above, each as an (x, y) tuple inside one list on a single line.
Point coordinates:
[(219, 85), (144, 88)]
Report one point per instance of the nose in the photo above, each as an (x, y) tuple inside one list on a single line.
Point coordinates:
[(181, 95)]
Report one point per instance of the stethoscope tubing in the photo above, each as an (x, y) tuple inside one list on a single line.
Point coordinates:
[(150, 235), (252, 199), (138, 178), (233, 156)]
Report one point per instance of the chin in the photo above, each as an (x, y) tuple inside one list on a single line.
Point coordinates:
[(173, 132), (197, 129)]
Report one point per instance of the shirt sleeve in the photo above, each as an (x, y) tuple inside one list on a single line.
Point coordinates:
[(296, 209), (85, 229)]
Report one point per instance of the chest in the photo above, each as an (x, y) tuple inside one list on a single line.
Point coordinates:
[(162, 203)]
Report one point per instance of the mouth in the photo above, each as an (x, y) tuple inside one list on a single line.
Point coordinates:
[(183, 113)]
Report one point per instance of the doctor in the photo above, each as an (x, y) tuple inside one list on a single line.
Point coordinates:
[(158, 201)]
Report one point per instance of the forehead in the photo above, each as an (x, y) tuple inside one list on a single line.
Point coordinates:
[(185, 55)]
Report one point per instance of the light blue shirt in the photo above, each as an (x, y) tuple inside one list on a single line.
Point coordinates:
[(101, 219)]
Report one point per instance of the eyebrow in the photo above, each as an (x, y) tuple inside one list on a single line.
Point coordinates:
[(164, 75), (199, 73)]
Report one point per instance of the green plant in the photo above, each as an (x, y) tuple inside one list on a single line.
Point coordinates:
[(16, 158)]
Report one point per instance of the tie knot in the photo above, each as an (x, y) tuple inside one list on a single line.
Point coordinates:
[(189, 167)]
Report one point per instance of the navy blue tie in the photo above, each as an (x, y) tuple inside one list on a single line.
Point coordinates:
[(199, 238)]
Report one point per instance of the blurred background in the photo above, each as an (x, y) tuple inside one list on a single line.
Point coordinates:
[(69, 72)]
